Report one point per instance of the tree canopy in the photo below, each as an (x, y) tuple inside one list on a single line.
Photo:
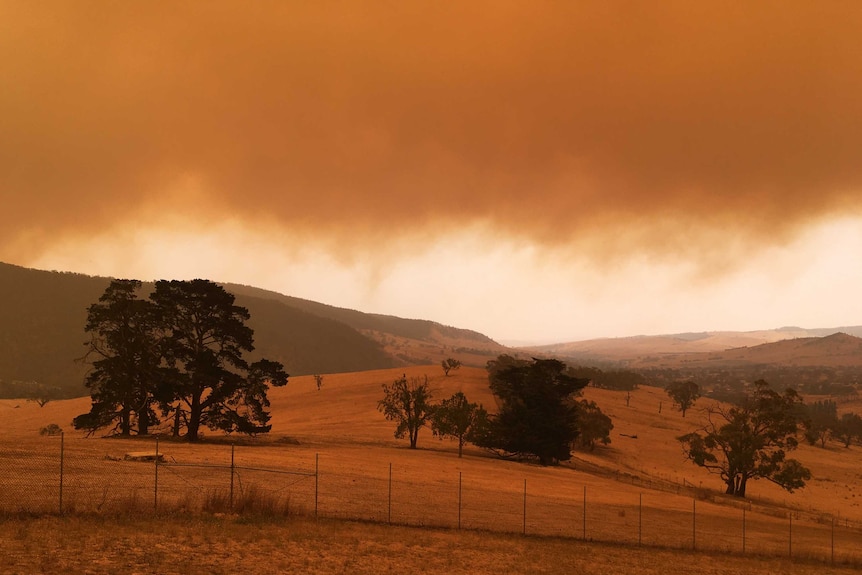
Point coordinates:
[(409, 404), (537, 414), (593, 425), (450, 364), (125, 354), (183, 351), (820, 421), (683, 394), (750, 441), (459, 419)]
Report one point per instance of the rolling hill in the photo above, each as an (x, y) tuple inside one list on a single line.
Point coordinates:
[(42, 317), (784, 346)]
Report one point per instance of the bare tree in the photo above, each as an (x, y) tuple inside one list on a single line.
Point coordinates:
[(408, 403), (450, 364)]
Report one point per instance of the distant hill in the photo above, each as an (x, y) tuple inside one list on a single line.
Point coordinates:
[(836, 350), (42, 317), (641, 351)]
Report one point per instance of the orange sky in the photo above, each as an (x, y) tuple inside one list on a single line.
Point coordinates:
[(533, 170)]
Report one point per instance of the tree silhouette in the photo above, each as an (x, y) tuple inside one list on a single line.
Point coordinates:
[(750, 441), (206, 338), (125, 353), (450, 364), (593, 425), (459, 419), (683, 394), (537, 415), (409, 404)]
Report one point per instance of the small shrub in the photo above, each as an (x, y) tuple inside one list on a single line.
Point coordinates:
[(51, 429)]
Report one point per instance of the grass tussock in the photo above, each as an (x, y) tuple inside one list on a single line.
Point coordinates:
[(250, 500)]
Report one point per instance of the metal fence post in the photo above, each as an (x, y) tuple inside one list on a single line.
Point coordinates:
[(316, 481), (525, 507), (156, 481), (790, 535), (62, 456), (389, 520), (743, 530), (585, 512), (694, 523), (459, 501), (232, 467)]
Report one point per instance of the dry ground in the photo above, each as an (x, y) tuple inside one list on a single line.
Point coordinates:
[(636, 489), (213, 546)]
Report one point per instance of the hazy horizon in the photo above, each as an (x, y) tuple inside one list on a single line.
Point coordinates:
[(542, 172)]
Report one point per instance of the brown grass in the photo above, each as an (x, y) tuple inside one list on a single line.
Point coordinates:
[(637, 489), (226, 545)]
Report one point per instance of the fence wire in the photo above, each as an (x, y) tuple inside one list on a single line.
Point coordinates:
[(69, 479)]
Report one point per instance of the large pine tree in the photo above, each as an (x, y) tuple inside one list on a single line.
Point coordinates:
[(125, 355), (206, 339), (537, 414)]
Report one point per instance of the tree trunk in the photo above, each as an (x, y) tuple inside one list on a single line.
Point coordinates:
[(126, 421), (731, 486), (194, 422), (143, 422)]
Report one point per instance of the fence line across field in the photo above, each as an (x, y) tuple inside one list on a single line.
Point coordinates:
[(354, 490)]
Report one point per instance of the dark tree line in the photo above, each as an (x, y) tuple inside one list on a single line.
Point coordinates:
[(409, 404), (822, 423), (538, 412), (179, 353)]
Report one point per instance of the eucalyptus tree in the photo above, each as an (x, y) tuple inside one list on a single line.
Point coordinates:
[(750, 441)]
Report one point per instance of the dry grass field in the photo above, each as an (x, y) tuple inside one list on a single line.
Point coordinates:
[(635, 491), (225, 546)]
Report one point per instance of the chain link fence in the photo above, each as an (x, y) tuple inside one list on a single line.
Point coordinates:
[(70, 479)]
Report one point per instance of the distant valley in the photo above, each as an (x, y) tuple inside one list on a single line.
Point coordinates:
[(42, 317)]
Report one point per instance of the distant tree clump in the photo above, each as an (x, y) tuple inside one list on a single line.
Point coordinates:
[(182, 351), (41, 394), (820, 421), (409, 404), (847, 428), (450, 364), (51, 429), (459, 419), (750, 441), (617, 380), (684, 394), (537, 414)]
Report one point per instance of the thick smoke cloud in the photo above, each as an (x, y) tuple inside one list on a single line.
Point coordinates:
[(604, 126)]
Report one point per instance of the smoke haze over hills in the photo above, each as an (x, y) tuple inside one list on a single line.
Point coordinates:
[(543, 170)]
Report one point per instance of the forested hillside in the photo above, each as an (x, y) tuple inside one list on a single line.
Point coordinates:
[(42, 317)]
